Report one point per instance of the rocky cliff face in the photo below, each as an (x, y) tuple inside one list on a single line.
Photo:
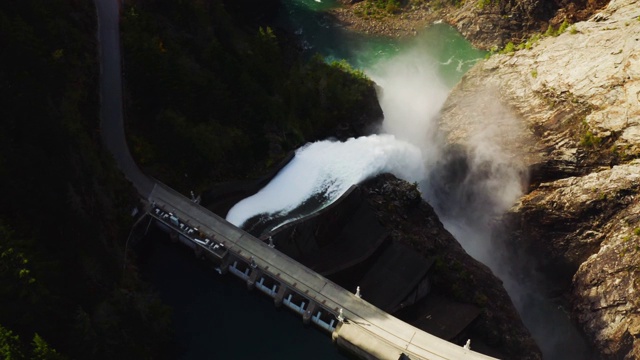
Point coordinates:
[(568, 109), (590, 225), (488, 23), (498, 330), (485, 23)]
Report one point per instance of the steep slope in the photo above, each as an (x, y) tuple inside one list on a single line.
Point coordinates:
[(455, 275), (568, 110)]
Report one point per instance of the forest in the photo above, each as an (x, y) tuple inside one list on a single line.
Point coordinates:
[(213, 90), (218, 93), (65, 211)]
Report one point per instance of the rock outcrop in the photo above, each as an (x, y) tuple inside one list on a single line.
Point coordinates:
[(589, 227), (493, 23), (399, 207), (568, 109), (485, 23)]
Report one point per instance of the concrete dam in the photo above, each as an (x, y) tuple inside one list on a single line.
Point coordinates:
[(395, 278)]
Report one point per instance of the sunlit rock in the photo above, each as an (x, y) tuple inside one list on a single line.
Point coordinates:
[(568, 109)]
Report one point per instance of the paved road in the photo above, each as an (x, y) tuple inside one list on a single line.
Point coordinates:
[(111, 118)]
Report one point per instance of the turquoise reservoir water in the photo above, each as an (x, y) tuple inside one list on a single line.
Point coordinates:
[(319, 33)]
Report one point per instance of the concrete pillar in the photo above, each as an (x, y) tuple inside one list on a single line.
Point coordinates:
[(280, 294), (253, 277), (311, 308), (335, 334), (224, 264), (467, 346)]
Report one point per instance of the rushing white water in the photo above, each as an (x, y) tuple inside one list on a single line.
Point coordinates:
[(411, 96), (330, 168)]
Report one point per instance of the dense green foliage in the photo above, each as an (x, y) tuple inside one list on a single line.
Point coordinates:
[(481, 4), (379, 9), (209, 96), (11, 348), (218, 101), (390, 6), (65, 213)]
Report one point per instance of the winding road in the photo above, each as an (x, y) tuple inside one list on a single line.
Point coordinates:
[(111, 116)]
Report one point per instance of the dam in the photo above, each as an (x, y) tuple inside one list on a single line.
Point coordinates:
[(354, 324)]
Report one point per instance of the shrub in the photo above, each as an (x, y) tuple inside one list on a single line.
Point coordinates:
[(344, 66), (392, 6), (590, 140), (555, 32), (550, 31), (481, 4), (509, 48), (563, 27)]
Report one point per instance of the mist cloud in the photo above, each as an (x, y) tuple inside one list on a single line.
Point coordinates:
[(411, 93)]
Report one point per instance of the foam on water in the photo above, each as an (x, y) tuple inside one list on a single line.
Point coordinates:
[(330, 168)]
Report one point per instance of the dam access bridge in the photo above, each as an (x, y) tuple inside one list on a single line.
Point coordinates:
[(355, 324)]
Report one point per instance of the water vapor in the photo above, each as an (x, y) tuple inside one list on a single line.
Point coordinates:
[(471, 183), (411, 93), (471, 186)]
